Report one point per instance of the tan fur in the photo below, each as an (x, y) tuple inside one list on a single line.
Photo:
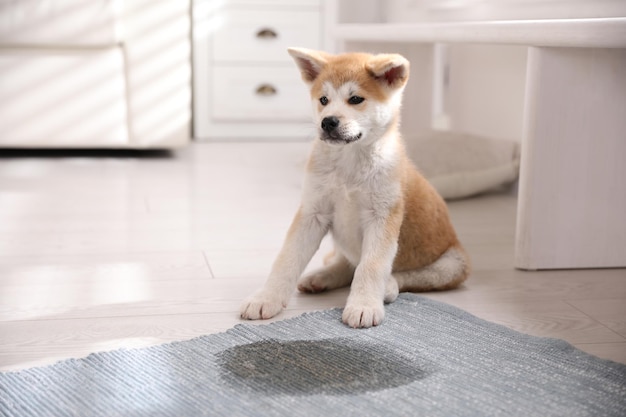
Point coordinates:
[(426, 230), (341, 69), (391, 228)]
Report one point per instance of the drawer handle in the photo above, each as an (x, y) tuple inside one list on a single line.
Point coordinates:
[(266, 33), (266, 90)]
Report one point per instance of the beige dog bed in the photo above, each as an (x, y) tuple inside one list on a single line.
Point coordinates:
[(461, 165)]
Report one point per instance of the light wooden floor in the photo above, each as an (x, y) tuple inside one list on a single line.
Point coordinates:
[(103, 250)]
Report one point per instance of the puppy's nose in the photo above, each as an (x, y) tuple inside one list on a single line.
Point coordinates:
[(329, 124)]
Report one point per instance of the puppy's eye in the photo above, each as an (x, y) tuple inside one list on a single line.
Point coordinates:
[(356, 100), (324, 100)]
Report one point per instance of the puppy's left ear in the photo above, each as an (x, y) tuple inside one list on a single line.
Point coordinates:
[(392, 70)]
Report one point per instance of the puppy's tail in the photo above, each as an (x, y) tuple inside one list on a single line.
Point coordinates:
[(446, 273)]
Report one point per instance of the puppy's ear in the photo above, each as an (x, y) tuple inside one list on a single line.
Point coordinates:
[(392, 70), (309, 61)]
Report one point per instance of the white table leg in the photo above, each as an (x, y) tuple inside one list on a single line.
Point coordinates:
[(572, 200)]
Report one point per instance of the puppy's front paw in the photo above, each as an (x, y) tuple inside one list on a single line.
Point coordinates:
[(360, 315), (261, 306)]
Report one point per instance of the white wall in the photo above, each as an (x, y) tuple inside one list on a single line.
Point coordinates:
[(466, 10), (485, 91)]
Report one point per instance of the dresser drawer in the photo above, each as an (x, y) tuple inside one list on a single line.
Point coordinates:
[(264, 35), (259, 94)]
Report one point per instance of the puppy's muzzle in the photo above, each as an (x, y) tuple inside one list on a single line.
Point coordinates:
[(329, 124)]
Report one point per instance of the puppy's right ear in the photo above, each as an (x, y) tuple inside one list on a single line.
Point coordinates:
[(310, 62)]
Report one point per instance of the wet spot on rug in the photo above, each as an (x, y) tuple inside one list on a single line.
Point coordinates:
[(308, 367)]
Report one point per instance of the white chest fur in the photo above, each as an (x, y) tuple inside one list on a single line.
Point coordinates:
[(352, 186), (348, 225)]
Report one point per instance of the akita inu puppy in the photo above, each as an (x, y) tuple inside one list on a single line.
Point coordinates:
[(390, 228)]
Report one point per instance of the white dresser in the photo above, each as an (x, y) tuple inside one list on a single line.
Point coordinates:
[(246, 86)]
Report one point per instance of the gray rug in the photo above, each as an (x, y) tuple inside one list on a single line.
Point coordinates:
[(427, 359)]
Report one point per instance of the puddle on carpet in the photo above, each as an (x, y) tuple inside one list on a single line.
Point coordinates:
[(308, 367)]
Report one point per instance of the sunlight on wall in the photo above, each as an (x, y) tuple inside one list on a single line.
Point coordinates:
[(92, 74)]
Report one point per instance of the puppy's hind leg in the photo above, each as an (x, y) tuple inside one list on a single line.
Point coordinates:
[(391, 290), (336, 273), (446, 273)]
